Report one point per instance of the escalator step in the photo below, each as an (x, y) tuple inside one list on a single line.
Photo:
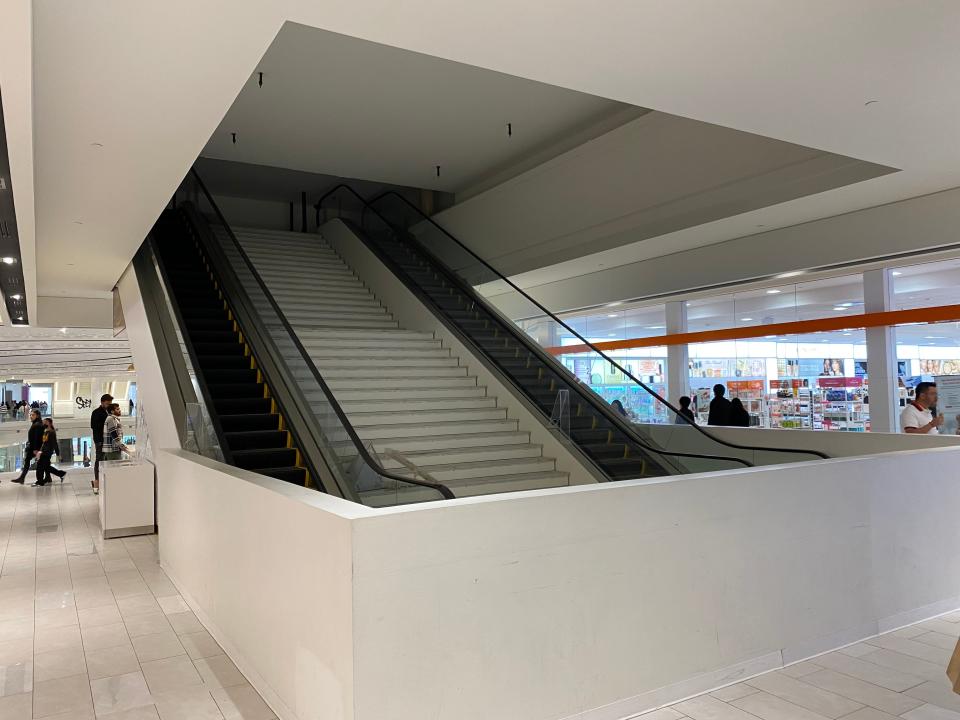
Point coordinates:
[(218, 348), (265, 458), (294, 475), (256, 439), (243, 406), (222, 362), (230, 375), (208, 335), (235, 390), (249, 422)]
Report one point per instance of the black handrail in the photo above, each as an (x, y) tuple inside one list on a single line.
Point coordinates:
[(305, 356), (592, 347), (534, 348)]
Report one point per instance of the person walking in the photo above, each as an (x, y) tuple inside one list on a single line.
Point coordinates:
[(32, 448), (685, 415), (47, 449), (719, 407), (97, 419), (113, 434)]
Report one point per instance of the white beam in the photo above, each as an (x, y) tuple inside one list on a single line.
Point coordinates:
[(881, 353)]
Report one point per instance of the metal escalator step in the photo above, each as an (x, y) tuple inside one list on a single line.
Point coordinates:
[(258, 458), (249, 422), (256, 439)]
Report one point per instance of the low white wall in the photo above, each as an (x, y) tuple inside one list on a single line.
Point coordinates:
[(681, 438), (266, 566), (600, 602), (593, 602)]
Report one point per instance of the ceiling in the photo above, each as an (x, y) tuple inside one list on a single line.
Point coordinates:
[(333, 104), (126, 95), (50, 353)]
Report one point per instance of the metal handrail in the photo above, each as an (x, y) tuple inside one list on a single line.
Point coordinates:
[(588, 396), (586, 342), (305, 356)]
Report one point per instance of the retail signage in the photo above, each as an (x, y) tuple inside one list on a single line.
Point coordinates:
[(840, 382), (948, 402)]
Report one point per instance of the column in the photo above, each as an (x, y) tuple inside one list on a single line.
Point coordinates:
[(881, 353), (678, 356)]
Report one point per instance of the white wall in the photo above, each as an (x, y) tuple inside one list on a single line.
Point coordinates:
[(266, 566), (74, 312), (270, 214), (630, 595), (594, 602), (151, 389)]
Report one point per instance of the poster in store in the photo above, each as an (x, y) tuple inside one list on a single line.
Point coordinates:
[(948, 402), (581, 368)]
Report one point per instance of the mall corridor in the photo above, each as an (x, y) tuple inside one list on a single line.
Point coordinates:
[(93, 628)]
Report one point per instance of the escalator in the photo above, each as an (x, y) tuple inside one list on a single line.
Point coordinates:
[(245, 415), (445, 275)]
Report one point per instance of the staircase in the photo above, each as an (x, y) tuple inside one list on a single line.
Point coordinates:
[(401, 389), (252, 428)]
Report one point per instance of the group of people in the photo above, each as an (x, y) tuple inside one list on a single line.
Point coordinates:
[(18, 409), (42, 444), (723, 411)]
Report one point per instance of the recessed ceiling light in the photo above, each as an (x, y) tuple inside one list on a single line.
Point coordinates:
[(656, 327), (934, 337), (773, 292), (846, 334), (9, 260), (63, 330), (746, 319), (896, 273), (613, 315), (792, 273), (839, 308), (614, 304), (848, 304)]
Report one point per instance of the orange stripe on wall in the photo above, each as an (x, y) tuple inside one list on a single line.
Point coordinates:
[(940, 313)]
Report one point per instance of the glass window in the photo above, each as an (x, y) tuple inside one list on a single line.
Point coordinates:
[(926, 285)]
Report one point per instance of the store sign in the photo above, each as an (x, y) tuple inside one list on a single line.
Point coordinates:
[(948, 402), (840, 382)]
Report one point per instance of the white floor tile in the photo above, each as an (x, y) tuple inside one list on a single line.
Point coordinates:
[(931, 712), (770, 707), (907, 664), (193, 704), (805, 695), (59, 663), (707, 707), (16, 707), (872, 673), (158, 646), (936, 693), (734, 692), (242, 702), (70, 694), (111, 661), (862, 691), (120, 692)]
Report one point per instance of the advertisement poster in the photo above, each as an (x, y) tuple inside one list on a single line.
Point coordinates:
[(948, 402)]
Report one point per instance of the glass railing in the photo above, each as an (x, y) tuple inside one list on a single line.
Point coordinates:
[(481, 302), (315, 418)]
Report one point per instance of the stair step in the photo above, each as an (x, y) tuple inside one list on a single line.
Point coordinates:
[(381, 404), (339, 323), (235, 391), (217, 362), (429, 374), (292, 474), (425, 417), (422, 430), (380, 353), (453, 440), (402, 395), (330, 362), (230, 375), (243, 406), (450, 456), (486, 469), (385, 384)]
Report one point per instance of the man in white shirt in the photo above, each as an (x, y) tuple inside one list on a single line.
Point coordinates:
[(917, 418)]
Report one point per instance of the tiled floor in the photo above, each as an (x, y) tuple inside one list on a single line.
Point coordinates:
[(92, 628), (900, 674)]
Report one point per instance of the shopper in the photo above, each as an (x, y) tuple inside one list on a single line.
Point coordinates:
[(97, 418), (47, 449), (32, 448), (113, 434), (619, 409), (917, 418), (719, 407), (739, 417), (685, 414)]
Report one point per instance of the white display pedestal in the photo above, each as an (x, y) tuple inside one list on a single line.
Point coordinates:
[(126, 498)]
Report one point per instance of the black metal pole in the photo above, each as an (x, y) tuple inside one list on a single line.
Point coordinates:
[(291, 216), (303, 212)]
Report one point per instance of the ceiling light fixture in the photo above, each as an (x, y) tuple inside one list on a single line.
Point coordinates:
[(792, 273), (839, 309), (773, 292), (614, 304), (9, 260), (612, 315), (63, 330), (845, 305), (746, 319), (896, 273), (656, 327)]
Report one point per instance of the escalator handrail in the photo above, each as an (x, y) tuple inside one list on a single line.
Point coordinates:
[(588, 396), (305, 356), (592, 347)]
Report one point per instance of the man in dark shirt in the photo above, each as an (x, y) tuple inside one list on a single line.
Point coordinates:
[(719, 407), (34, 441), (97, 418)]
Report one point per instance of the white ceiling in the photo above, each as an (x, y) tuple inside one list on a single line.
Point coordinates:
[(345, 107), (151, 83)]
